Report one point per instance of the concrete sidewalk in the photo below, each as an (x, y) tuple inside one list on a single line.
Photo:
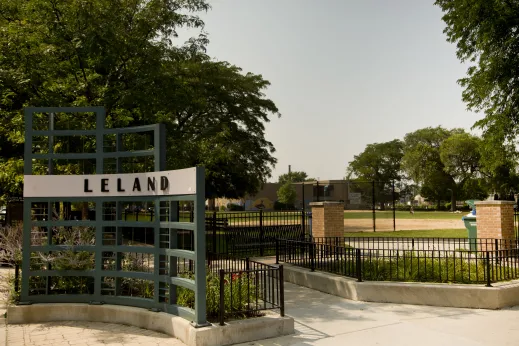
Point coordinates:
[(322, 319)]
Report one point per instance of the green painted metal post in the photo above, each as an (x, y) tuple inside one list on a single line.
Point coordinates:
[(100, 126), (27, 169), (200, 271), (98, 273), (159, 148), (173, 244)]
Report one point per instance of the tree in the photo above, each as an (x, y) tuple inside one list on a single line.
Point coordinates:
[(123, 55), (461, 155), (486, 37), (287, 194), (379, 162), (225, 131), (295, 177), (441, 161), (498, 165), (423, 164)]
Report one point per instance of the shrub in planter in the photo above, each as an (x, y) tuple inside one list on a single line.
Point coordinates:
[(239, 291)]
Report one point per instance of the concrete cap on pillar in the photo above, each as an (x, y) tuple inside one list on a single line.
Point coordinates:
[(321, 204), (493, 202)]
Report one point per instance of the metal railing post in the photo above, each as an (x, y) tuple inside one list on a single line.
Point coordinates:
[(394, 207), (313, 250), (488, 270), (222, 296), (373, 204), (214, 231), (496, 242), (358, 265), (277, 250), (262, 235), (281, 291)]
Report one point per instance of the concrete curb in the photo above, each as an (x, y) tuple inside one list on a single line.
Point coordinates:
[(448, 295), (233, 332), (3, 329)]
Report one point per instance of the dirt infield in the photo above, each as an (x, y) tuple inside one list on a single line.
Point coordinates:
[(362, 225)]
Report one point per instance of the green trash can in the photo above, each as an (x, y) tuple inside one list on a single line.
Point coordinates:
[(470, 225)]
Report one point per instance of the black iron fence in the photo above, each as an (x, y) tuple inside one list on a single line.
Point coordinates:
[(249, 234), (406, 259), (362, 200), (245, 287)]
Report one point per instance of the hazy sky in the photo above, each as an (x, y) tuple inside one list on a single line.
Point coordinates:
[(344, 73)]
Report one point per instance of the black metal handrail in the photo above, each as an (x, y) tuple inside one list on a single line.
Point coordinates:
[(253, 290), (492, 260), (246, 287)]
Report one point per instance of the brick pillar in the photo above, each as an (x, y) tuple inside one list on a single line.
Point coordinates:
[(495, 220), (327, 219)]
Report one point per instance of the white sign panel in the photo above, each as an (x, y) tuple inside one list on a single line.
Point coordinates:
[(355, 197), (166, 183)]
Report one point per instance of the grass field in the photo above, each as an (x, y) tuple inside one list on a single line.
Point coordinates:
[(425, 215), (433, 233)]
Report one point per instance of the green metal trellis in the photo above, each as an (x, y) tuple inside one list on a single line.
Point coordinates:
[(38, 215)]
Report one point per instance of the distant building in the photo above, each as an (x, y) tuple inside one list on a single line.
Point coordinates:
[(353, 195)]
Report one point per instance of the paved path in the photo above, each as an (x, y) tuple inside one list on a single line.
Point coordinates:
[(85, 334), (325, 320), (321, 320), (76, 333)]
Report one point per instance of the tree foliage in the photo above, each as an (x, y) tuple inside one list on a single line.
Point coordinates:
[(460, 155), (378, 162), (287, 194), (442, 161), (294, 177), (124, 55), (486, 36)]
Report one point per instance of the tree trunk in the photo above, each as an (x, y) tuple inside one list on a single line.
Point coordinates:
[(453, 201), (84, 211), (212, 204), (438, 205)]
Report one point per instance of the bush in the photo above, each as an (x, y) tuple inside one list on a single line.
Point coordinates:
[(287, 193), (7, 292), (243, 292), (11, 241), (235, 207), (282, 206), (411, 268)]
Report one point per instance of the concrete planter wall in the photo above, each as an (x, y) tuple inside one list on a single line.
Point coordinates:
[(233, 332)]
